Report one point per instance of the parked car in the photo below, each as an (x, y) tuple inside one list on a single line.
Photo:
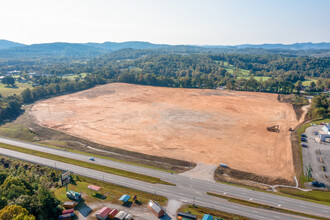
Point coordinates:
[(316, 133), (304, 135), (303, 139), (91, 158), (324, 169), (322, 123), (304, 145), (318, 184)]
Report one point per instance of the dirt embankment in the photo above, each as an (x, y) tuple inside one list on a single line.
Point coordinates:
[(301, 106), (208, 126)]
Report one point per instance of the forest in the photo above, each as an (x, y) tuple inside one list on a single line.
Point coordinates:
[(25, 191)]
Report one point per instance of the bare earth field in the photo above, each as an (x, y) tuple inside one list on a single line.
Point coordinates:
[(198, 125)]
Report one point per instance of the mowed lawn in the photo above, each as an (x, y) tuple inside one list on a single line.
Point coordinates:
[(7, 90), (308, 81), (258, 78)]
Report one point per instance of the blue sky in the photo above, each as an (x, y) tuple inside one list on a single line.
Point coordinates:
[(204, 22)]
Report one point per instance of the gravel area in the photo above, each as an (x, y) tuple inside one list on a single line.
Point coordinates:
[(201, 171)]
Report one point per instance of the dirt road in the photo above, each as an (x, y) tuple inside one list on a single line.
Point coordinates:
[(207, 126)]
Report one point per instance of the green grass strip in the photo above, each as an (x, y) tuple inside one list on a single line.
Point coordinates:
[(93, 166), (201, 211), (259, 205), (104, 157)]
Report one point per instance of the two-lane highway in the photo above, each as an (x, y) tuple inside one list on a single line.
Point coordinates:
[(186, 189)]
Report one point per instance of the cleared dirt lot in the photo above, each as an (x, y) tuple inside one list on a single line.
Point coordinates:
[(208, 126)]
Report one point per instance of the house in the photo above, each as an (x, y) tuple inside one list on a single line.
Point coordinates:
[(103, 213), (14, 72), (156, 208), (33, 74)]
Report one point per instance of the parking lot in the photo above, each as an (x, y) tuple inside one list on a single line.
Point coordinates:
[(317, 155)]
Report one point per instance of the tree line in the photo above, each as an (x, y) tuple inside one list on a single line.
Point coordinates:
[(319, 107), (208, 71)]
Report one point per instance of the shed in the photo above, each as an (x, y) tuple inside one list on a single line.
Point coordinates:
[(66, 216), (94, 188), (182, 215), (103, 213), (124, 198), (69, 204), (113, 213), (121, 215), (207, 217), (73, 195), (68, 211), (156, 208), (129, 217)]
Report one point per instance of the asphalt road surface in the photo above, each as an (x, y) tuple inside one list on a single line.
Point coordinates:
[(186, 190)]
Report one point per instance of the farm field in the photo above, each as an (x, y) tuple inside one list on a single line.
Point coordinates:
[(198, 125), (7, 91)]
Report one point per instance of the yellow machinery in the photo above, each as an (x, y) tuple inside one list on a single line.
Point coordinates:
[(275, 128)]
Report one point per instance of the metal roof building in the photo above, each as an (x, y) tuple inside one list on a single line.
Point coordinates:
[(207, 217), (156, 208), (103, 213), (124, 198)]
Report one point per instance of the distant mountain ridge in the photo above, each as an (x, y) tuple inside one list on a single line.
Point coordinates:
[(112, 46), (9, 49), (4, 44), (295, 46), (70, 49)]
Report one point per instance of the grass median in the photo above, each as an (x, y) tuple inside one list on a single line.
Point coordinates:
[(263, 206), (93, 166), (201, 211)]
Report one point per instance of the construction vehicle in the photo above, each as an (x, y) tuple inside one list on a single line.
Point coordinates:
[(275, 128)]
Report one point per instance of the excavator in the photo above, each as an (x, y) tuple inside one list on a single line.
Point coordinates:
[(275, 128)]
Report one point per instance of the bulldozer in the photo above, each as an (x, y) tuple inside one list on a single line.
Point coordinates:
[(275, 128)]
